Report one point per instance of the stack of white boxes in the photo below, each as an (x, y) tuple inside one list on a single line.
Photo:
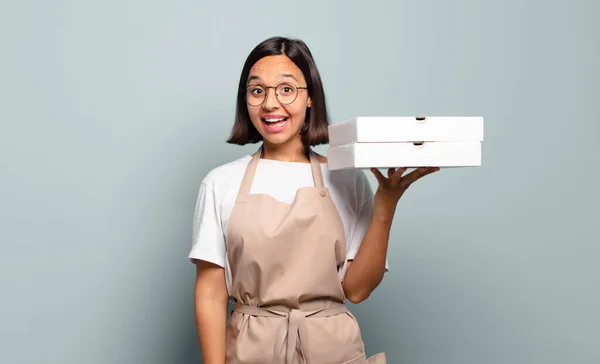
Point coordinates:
[(394, 142)]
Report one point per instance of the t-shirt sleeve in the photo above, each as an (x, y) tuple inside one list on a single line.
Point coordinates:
[(364, 215), (208, 240)]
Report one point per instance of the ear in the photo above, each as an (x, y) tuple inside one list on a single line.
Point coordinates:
[(309, 103)]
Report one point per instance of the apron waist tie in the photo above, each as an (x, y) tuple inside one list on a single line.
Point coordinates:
[(296, 327)]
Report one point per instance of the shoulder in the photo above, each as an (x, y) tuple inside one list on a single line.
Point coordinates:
[(321, 158), (353, 179), (352, 186), (226, 174)]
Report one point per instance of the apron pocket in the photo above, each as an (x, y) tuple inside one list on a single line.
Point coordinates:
[(377, 359), (358, 360)]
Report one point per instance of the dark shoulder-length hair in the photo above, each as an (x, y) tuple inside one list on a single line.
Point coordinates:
[(315, 128)]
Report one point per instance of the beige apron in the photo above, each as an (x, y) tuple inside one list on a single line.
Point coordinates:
[(284, 261)]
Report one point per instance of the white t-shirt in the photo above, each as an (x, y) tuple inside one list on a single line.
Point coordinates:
[(350, 190)]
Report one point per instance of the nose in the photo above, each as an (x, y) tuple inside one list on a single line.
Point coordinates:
[(271, 101)]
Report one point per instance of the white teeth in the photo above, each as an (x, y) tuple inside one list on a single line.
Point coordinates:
[(274, 120)]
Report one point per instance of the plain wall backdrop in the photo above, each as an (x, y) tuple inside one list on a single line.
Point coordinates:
[(112, 112)]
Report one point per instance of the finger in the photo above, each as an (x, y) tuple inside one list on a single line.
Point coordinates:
[(397, 177), (380, 177), (420, 173), (390, 172), (429, 171), (414, 175)]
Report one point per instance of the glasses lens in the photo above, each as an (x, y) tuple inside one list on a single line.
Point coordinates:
[(255, 95), (286, 93)]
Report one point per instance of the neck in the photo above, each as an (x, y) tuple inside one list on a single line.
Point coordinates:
[(293, 151)]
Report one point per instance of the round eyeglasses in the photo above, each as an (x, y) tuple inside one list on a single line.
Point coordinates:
[(285, 93)]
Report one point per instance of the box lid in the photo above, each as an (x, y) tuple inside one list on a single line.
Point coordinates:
[(384, 129), (394, 155)]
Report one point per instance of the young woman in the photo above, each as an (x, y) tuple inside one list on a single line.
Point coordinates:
[(280, 235)]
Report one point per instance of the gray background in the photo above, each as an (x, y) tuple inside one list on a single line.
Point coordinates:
[(113, 111)]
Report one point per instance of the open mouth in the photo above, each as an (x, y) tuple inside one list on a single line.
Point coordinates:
[(275, 125), (275, 121)]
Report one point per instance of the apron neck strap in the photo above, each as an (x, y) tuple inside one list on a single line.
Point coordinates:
[(251, 170), (316, 169), (249, 174)]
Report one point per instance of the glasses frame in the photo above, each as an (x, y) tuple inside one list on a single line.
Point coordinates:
[(245, 91)]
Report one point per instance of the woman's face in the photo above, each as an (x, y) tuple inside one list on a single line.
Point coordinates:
[(277, 122)]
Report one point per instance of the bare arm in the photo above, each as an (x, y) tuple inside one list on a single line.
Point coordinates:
[(366, 271), (210, 304), (368, 267)]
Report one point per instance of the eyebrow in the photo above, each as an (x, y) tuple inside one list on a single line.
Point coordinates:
[(283, 75), (253, 77), (289, 75)]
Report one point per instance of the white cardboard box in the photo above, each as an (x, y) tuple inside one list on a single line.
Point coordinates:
[(395, 155), (383, 142), (398, 129)]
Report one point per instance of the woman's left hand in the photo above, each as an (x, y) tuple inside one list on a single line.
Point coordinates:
[(390, 189)]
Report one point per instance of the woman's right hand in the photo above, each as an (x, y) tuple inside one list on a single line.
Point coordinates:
[(210, 305)]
